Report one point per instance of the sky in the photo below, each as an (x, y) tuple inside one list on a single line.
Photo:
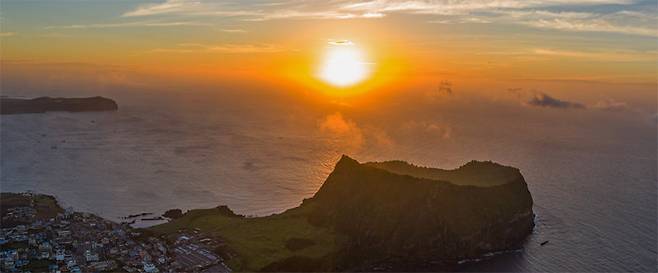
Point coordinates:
[(503, 43)]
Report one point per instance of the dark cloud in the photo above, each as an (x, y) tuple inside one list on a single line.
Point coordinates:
[(445, 87), (544, 100), (541, 99), (252, 165), (515, 91), (341, 42)]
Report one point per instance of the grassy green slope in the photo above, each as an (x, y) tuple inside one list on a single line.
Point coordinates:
[(474, 173), (258, 241), (45, 205)]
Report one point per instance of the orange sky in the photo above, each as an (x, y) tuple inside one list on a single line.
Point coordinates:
[(406, 43)]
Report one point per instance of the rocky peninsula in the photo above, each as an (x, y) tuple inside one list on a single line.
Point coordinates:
[(48, 104), (383, 216)]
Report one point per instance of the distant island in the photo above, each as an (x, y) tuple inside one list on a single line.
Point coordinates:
[(382, 216), (48, 104)]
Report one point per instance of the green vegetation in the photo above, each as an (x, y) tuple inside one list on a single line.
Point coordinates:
[(46, 206), (261, 241), (389, 214), (296, 244), (474, 173)]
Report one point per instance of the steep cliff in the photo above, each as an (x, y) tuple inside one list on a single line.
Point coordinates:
[(381, 216), (404, 222)]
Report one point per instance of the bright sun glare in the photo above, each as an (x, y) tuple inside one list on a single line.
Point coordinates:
[(343, 65)]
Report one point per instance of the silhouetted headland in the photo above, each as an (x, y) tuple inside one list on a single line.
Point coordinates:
[(385, 216), (48, 104)]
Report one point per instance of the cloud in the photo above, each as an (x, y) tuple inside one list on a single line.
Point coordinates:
[(234, 30), (131, 24), (290, 9), (431, 128), (593, 55), (619, 16), (342, 129), (338, 9), (380, 138), (481, 11), (440, 92), (540, 99), (337, 124), (622, 21), (429, 7), (461, 20), (626, 22), (310, 14), (445, 87), (349, 135), (342, 8), (169, 6), (597, 55), (544, 100), (55, 35), (611, 105), (222, 48), (7, 34), (340, 42)]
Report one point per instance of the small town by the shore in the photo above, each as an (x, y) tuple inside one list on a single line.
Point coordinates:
[(39, 236)]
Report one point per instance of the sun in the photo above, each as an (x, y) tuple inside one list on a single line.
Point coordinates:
[(343, 65)]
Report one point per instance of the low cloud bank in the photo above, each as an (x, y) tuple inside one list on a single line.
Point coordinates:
[(544, 100)]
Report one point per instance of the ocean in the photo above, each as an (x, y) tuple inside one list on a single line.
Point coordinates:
[(592, 173)]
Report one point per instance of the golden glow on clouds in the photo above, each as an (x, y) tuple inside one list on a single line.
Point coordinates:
[(397, 43), (344, 65)]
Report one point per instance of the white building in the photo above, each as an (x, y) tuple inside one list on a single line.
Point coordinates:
[(150, 268), (91, 257)]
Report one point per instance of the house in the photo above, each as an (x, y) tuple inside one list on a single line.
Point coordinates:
[(91, 257), (22, 262), (76, 269), (45, 246), (59, 255), (71, 264), (9, 265), (104, 265), (150, 268)]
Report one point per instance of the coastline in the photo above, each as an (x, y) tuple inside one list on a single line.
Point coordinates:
[(201, 234), (36, 239), (139, 223)]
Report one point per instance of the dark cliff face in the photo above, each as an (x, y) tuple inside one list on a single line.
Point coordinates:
[(403, 222), (47, 104)]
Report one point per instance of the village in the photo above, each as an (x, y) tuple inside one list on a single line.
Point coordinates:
[(83, 242)]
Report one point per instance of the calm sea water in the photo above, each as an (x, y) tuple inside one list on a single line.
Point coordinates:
[(592, 174)]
